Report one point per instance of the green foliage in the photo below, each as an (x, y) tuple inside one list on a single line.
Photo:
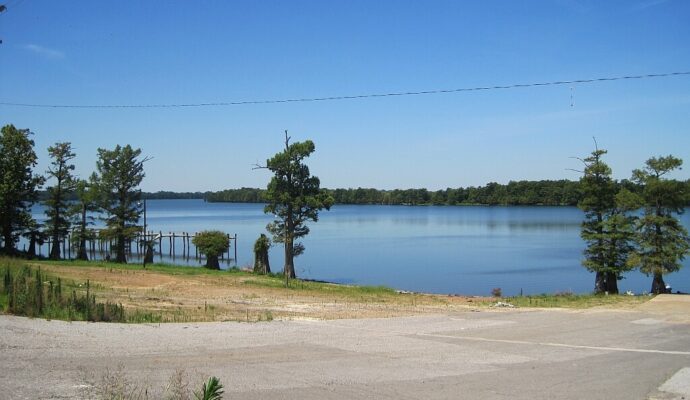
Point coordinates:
[(294, 196), (662, 240), (212, 244), (120, 171), (18, 184), (243, 195), (545, 192), (32, 293), (211, 390), (57, 206), (168, 195), (608, 228)]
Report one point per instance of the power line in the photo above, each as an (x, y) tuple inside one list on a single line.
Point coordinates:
[(353, 97)]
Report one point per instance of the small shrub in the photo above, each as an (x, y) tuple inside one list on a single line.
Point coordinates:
[(212, 244), (211, 390), (115, 385), (496, 292)]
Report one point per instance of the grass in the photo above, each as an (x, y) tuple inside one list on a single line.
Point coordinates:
[(576, 301), (116, 384), (278, 282), (171, 293), (170, 269), (28, 291)]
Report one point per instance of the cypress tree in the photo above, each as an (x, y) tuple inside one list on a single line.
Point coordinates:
[(608, 228), (662, 241)]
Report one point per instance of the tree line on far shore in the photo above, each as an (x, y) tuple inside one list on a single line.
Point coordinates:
[(523, 193)]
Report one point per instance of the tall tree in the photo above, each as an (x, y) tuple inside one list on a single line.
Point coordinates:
[(662, 240), (294, 196), (608, 226), (119, 173), (598, 198), (18, 184), (57, 205), (87, 201), (619, 237)]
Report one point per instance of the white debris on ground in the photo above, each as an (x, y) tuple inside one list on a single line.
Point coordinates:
[(503, 304)]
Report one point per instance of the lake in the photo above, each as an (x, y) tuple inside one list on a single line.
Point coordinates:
[(464, 250)]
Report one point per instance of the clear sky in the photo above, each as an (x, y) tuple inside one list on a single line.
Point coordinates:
[(164, 52)]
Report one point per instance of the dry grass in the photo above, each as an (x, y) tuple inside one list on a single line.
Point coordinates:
[(183, 294), (163, 294)]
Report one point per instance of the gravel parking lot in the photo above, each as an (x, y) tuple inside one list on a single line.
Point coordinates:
[(491, 354)]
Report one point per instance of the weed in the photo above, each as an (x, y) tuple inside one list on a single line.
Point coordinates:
[(178, 386), (30, 292), (211, 390)]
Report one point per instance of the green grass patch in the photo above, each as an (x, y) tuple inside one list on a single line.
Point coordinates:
[(570, 300), (30, 292), (170, 269), (278, 282)]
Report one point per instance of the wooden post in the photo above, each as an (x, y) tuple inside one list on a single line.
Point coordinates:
[(189, 251), (235, 249), (173, 244), (184, 244), (196, 251), (160, 243)]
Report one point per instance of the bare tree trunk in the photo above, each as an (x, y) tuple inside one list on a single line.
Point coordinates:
[(55, 249), (289, 268), (31, 253), (600, 283), (212, 262), (148, 256), (81, 252), (658, 285), (8, 240), (612, 283), (120, 256)]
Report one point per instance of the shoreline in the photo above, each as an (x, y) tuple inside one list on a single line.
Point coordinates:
[(182, 294)]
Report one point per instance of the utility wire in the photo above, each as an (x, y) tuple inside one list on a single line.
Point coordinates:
[(352, 97)]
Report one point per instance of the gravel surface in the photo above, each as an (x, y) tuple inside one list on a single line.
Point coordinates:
[(493, 354)]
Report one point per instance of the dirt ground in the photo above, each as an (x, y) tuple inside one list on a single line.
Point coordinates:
[(228, 297)]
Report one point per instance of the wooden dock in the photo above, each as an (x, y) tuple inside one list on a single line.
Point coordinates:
[(172, 244)]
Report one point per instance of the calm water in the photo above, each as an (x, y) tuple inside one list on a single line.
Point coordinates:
[(467, 250)]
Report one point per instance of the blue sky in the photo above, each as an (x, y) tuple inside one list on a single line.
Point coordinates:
[(166, 52)]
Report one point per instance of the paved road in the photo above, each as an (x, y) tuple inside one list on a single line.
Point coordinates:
[(506, 354)]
